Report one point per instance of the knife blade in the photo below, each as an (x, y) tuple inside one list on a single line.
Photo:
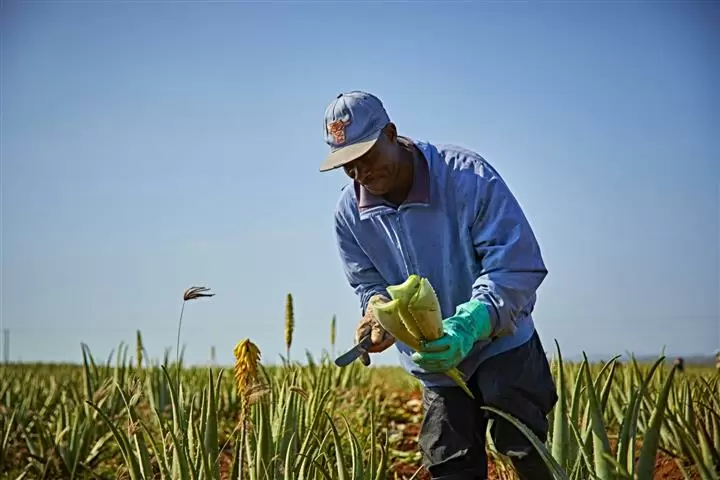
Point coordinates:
[(354, 353)]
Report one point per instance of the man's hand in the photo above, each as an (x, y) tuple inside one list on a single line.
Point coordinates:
[(470, 323), (381, 340)]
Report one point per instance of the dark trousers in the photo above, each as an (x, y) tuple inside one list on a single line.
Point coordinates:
[(453, 433)]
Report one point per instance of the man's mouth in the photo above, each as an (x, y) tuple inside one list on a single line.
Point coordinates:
[(374, 180), (374, 183)]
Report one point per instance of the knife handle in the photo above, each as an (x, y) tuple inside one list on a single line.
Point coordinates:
[(354, 353)]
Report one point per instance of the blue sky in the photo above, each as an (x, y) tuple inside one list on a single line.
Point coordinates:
[(148, 147)]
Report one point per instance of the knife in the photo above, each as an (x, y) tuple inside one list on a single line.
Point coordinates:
[(351, 355)]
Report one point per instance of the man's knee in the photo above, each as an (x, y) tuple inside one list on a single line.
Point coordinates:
[(452, 435), (512, 442), (519, 382)]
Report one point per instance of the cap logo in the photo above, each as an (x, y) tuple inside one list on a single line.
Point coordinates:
[(337, 128)]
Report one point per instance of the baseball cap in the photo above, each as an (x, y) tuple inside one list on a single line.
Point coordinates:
[(353, 123)]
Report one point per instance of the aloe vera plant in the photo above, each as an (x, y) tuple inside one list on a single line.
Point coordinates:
[(311, 420)]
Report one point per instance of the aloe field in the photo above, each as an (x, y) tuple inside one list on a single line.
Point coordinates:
[(133, 416)]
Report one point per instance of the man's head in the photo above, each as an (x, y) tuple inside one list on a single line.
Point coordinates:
[(363, 141)]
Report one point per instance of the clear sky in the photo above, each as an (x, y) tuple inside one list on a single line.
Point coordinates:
[(151, 146)]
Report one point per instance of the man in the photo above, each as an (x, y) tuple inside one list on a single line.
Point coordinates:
[(444, 213)]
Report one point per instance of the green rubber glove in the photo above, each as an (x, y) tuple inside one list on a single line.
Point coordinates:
[(470, 323)]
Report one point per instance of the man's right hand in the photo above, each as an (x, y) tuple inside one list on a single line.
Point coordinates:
[(381, 339)]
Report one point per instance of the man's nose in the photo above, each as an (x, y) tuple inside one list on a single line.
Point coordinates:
[(361, 172)]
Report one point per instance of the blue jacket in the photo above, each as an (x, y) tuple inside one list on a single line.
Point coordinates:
[(460, 227)]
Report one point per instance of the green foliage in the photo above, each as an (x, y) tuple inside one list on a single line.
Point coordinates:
[(317, 421)]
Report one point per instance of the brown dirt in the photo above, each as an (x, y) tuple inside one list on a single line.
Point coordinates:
[(666, 467)]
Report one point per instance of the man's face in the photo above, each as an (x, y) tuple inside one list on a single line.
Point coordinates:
[(377, 170)]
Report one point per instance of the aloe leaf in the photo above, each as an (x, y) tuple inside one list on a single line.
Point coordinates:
[(561, 448), (651, 438)]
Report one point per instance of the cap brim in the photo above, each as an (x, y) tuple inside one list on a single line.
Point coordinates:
[(344, 155)]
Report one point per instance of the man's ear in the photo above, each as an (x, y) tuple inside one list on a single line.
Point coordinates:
[(390, 132)]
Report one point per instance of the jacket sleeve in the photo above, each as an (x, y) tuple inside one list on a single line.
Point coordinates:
[(511, 265), (359, 270)]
